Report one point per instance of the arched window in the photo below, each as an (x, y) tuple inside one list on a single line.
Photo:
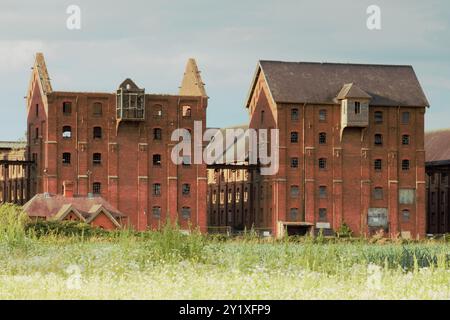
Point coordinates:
[(66, 158), (294, 114), (156, 212), (322, 115), (322, 138), (378, 193), (405, 139), (97, 159), (97, 109), (186, 111), (378, 140), (157, 133), (156, 159), (378, 164), (186, 213), (67, 132), (294, 137), (322, 163), (96, 187), (97, 132), (156, 189), (157, 111), (186, 189), (406, 215), (405, 165)]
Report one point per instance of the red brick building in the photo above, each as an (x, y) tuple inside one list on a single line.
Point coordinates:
[(437, 147), (117, 145), (351, 147)]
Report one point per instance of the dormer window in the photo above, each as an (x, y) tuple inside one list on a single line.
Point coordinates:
[(357, 107)]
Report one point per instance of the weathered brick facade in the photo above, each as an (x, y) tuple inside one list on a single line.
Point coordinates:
[(368, 171), (124, 157)]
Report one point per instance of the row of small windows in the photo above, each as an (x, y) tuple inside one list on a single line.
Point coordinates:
[(378, 115), (97, 158), (378, 164), (97, 133), (378, 138), (97, 109), (294, 213), (185, 212)]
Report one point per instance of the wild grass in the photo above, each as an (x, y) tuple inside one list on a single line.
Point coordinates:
[(170, 264)]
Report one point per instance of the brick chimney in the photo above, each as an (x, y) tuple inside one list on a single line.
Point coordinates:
[(68, 189)]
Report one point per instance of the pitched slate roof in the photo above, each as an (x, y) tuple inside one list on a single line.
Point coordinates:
[(350, 90), (437, 145), (320, 83)]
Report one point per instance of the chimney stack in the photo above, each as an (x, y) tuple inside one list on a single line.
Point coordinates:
[(68, 189)]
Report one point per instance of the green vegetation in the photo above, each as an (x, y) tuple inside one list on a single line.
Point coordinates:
[(50, 260)]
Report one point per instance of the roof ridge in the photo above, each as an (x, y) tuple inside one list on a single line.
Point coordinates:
[(339, 63)]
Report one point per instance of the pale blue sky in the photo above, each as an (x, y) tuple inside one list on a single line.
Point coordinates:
[(150, 41)]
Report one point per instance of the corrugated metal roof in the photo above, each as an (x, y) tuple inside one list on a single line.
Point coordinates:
[(437, 145), (320, 83)]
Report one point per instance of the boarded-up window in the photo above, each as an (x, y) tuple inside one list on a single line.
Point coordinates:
[(156, 212), (97, 109), (295, 190), (406, 196), (377, 217), (186, 213), (293, 214)]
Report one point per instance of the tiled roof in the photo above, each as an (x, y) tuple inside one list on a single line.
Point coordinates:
[(437, 145), (320, 83), (45, 205)]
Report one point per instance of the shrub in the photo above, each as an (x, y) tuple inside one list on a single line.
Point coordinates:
[(62, 228), (12, 222), (344, 231)]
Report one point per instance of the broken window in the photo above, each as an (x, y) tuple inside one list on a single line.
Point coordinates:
[(405, 140), (67, 132), (186, 189), (66, 158), (156, 159), (294, 137), (406, 214), (97, 132), (322, 138), (378, 140), (186, 111)]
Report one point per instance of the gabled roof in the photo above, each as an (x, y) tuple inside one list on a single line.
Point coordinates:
[(350, 90), (96, 210), (48, 205), (65, 210), (437, 145), (320, 83), (192, 83)]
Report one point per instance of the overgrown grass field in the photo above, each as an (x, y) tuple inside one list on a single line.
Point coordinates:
[(75, 262)]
